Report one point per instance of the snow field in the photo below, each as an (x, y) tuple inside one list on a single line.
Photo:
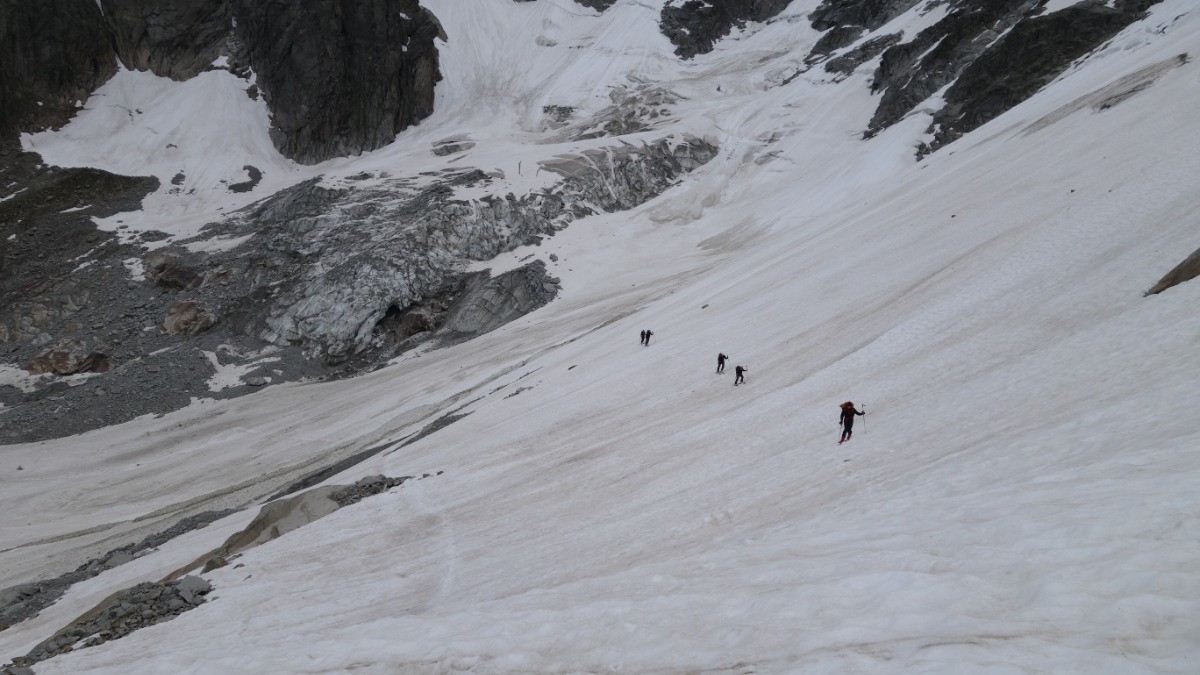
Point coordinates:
[(1020, 497)]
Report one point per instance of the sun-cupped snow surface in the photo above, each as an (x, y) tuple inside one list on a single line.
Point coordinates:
[(1019, 498)]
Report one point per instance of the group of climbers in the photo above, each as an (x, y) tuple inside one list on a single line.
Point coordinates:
[(848, 411)]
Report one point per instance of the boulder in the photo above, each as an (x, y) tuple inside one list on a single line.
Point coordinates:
[(187, 318), (169, 271), (69, 357), (191, 588)]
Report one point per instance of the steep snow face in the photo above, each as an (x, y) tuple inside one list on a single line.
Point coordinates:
[(1021, 494)]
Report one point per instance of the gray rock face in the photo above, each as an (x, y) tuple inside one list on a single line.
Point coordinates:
[(1027, 58), (340, 78), (868, 14), (911, 72), (992, 54), (833, 39), (52, 54), (171, 39), (850, 61), (694, 26)]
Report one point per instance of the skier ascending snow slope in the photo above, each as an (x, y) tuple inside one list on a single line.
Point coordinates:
[(721, 358), (847, 420)]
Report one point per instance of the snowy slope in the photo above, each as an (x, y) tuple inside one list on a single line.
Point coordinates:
[(1021, 497)]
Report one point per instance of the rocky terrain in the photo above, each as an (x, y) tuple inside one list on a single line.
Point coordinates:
[(144, 605), (23, 601)]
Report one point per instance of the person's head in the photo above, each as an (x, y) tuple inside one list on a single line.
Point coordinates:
[(848, 404)]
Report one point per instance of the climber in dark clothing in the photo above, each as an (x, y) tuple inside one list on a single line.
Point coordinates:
[(847, 420), (648, 334), (643, 337), (738, 370), (721, 358)]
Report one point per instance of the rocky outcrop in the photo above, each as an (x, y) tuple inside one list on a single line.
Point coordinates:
[(850, 61), (911, 72), (170, 272), (1035, 51), (340, 78), (171, 39), (862, 14), (26, 600), (188, 318), (53, 54), (834, 39), (694, 26), (366, 487), (120, 614), (845, 21), (283, 515), (989, 56), (1185, 271)]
